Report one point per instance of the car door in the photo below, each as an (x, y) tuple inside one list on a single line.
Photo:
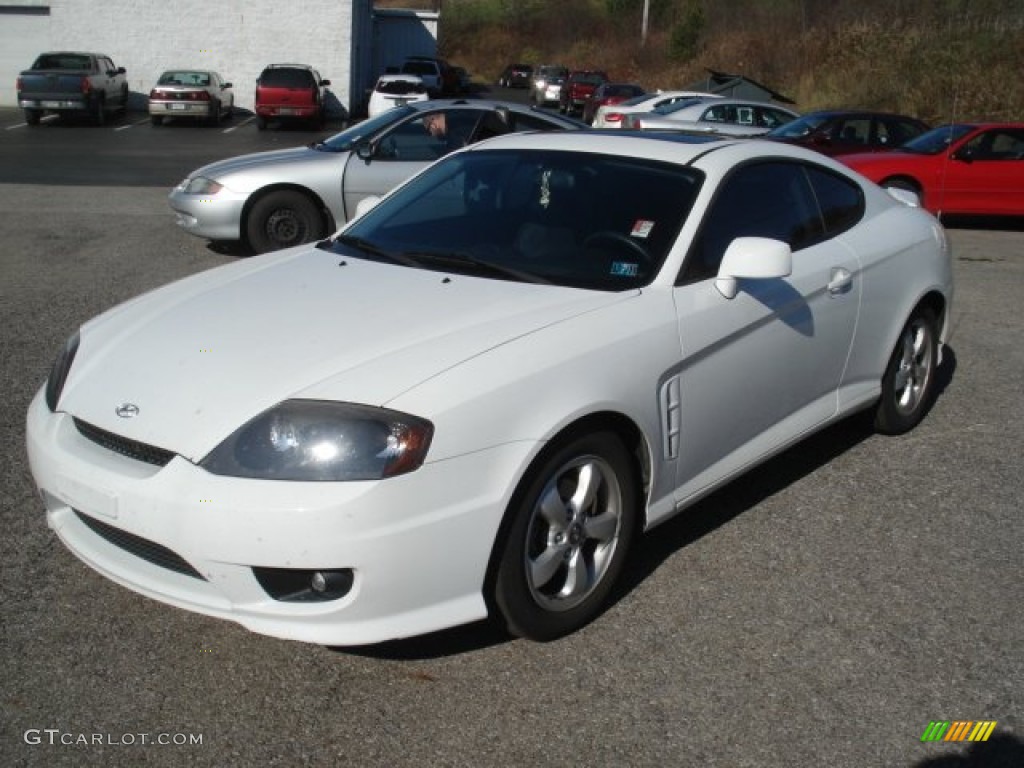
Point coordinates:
[(403, 150), (985, 175), (764, 367)]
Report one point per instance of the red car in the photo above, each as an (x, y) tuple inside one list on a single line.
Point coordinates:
[(609, 93), (970, 169), (577, 89), (290, 92)]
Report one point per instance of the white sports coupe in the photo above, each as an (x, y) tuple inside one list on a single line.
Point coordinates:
[(473, 398)]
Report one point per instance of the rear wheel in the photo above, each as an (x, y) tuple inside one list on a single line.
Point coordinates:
[(213, 118), (33, 116), (908, 384), (99, 112), (261, 123), (570, 529), (283, 219), (156, 119)]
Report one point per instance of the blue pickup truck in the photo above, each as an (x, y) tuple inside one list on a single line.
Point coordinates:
[(71, 82)]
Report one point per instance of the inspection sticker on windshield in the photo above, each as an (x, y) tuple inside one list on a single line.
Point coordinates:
[(624, 269), (642, 228)]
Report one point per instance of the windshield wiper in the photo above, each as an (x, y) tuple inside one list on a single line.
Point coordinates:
[(366, 246), (471, 264)]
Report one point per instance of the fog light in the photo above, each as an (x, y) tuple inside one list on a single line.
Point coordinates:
[(303, 586), (331, 581)]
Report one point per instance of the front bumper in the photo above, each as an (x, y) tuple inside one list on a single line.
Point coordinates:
[(215, 217), (417, 545)]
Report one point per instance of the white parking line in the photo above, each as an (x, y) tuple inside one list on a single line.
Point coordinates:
[(236, 126), (46, 119), (132, 125)]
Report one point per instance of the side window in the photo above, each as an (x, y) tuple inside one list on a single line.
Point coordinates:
[(771, 199), (841, 201), (720, 113), (997, 145), (427, 138), (856, 130)]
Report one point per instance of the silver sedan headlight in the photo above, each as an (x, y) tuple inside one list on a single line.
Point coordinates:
[(200, 185), (323, 440)]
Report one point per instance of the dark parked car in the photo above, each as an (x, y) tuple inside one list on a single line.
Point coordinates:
[(290, 92), (841, 132), (68, 82), (609, 93), (577, 89), (516, 76)]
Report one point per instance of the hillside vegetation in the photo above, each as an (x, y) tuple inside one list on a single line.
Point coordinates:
[(938, 59)]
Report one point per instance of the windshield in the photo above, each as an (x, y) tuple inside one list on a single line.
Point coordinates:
[(556, 217), (347, 139), (937, 139), (799, 127), (668, 109)]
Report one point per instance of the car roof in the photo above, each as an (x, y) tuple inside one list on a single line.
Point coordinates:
[(718, 152), (405, 77)]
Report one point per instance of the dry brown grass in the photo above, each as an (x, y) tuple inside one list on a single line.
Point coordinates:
[(939, 68)]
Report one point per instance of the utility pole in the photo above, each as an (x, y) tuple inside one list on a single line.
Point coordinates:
[(643, 24)]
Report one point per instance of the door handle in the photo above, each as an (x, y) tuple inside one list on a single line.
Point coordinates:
[(840, 281)]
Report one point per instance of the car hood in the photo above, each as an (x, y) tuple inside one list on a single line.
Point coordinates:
[(200, 357), (234, 170)]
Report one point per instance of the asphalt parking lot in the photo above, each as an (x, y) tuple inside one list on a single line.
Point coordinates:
[(820, 611)]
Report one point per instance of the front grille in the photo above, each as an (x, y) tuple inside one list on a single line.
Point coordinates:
[(133, 449), (149, 551)]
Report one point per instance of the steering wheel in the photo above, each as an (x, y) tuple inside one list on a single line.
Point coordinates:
[(611, 236)]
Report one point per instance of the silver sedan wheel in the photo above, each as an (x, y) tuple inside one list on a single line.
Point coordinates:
[(573, 533)]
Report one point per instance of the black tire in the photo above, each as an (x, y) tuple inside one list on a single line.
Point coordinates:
[(283, 219), (566, 542), (33, 116), (213, 118), (156, 120), (261, 123), (908, 385), (99, 112)]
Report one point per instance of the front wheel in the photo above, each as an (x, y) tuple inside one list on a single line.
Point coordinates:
[(908, 384), (571, 525), (283, 219)]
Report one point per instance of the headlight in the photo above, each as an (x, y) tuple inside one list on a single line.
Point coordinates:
[(59, 372), (321, 440), (200, 185)]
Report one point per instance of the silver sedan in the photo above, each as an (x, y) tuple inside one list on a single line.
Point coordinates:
[(278, 199), (724, 117), (191, 93)]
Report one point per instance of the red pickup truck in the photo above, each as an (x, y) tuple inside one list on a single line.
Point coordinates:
[(66, 81), (577, 89)]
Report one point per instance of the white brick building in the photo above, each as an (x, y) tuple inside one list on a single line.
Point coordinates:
[(234, 38)]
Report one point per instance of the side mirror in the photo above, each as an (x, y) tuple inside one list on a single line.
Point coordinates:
[(364, 151), (964, 155), (364, 205), (226, 86), (752, 258), (325, 82)]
